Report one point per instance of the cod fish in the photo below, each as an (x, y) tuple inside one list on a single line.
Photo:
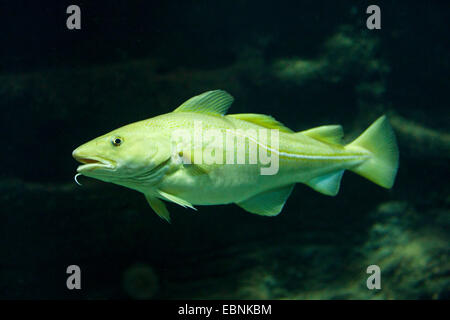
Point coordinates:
[(198, 155)]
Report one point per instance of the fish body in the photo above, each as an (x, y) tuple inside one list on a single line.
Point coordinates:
[(198, 155)]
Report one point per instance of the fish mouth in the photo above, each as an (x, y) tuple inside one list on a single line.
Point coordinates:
[(91, 163)]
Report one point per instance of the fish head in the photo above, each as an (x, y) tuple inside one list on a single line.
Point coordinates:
[(122, 155)]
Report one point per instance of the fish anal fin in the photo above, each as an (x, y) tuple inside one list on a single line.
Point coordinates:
[(328, 184), (215, 102), (268, 203), (159, 207), (330, 134), (262, 120)]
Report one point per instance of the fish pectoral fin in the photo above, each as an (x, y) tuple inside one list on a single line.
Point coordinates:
[(195, 170), (175, 199), (159, 207), (192, 168), (328, 184), (268, 203), (215, 102), (262, 120), (329, 134)]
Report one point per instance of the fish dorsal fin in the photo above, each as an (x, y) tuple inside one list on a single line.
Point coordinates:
[(159, 207), (214, 102), (268, 203), (176, 200), (329, 134), (262, 120), (328, 184)]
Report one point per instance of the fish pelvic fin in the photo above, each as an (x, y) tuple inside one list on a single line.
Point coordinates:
[(175, 199), (159, 207), (379, 140)]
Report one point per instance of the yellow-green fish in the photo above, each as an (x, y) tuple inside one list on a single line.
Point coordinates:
[(197, 155)]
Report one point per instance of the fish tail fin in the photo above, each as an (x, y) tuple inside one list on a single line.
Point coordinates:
[(379, 140)]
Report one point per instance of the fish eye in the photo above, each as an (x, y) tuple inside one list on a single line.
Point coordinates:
[(117, 141)]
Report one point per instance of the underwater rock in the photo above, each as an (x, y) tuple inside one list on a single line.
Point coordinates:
[(259, 283), (410, 251), (418, 141), (299, 70), (346, 54), (140, 282)]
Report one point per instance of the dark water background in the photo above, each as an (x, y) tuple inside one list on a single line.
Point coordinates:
[(307, 63)]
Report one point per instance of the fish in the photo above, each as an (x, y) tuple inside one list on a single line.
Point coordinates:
[(200, 155)]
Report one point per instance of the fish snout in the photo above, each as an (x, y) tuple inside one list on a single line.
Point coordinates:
[(82, 158), (90, 162), (76, 154)]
